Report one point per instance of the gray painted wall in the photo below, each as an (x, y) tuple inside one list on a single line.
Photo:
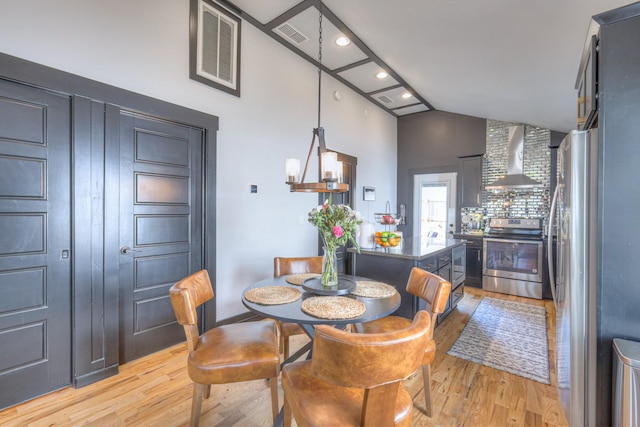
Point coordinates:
[(432, 142)]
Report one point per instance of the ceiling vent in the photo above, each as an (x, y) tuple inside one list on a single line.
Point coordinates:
[(291, 33), (385, 99)]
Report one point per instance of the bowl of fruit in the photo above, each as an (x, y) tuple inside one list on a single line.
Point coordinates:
[(387, 218), (387, 239)]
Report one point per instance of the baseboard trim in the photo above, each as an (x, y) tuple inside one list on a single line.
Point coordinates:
[(85, 380)]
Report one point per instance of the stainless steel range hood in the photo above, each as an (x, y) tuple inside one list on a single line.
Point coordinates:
[(514, 179)]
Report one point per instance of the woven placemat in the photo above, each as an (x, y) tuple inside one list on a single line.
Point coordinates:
[(369, 289), (273, 295), (297, 279), (333, 307)]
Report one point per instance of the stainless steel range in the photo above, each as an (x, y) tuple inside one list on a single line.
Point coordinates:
[(512, 257)]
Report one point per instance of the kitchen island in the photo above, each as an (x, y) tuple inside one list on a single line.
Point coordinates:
[(444, 257)]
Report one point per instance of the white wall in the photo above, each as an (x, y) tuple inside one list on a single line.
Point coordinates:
[(142, 46)]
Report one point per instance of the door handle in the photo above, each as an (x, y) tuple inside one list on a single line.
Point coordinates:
[(552, 278), (126, 250)]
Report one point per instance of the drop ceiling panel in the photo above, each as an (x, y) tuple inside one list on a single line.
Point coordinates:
[(364, 77), (393, 98), (355, 64), (410, 110), (333, 56), (265, 11)]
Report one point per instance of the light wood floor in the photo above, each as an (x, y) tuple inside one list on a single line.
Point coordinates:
[(155, 391)]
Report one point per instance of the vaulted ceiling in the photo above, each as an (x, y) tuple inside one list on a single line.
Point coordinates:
[(510, 60)]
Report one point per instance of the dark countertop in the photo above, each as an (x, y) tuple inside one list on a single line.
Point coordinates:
[(415, 250), (467, 236)]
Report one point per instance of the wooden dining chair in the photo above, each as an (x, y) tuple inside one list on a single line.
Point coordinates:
[(226, 354), (297, 265), (435, 291), (356, 379)]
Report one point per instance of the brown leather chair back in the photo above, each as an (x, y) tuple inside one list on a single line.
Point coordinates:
[(369, 360), (229, 353), (299, 265), (431, 288), (186, 296)]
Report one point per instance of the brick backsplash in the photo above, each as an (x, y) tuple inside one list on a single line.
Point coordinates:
[(525, 203)]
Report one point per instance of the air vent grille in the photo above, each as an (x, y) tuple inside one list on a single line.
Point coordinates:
[(291, 33), (385, 99)]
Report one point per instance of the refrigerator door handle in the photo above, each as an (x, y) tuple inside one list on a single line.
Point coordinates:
[(552, 275)]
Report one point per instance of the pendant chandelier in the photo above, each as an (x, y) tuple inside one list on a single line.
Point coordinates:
[(330, 167)]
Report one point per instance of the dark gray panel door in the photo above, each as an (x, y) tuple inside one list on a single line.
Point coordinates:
[(35, 285), (160, 227)]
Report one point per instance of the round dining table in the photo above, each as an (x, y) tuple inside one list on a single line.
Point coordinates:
[(292, 312)]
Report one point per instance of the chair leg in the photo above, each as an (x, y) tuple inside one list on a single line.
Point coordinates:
[(285, 340), (207, 391), (196, 403), (274, 397), (281, 343), (287, 413), (426, 378), (280, 337)]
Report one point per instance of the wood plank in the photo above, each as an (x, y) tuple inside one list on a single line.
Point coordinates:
[(156, 391)]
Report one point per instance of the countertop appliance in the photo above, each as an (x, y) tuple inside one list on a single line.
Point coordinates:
[(574, 210), (513, 257)]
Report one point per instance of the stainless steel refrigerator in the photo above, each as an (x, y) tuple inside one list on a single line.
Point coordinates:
[(573, 216)]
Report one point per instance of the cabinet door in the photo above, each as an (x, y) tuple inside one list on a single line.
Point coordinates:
[(588, 88), (471, 182), (445, 273), (474, 267), (458, 269)]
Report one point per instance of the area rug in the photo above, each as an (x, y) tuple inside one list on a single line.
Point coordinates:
[(506, 335)]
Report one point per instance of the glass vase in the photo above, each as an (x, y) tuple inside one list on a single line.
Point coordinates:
[(329, 268)]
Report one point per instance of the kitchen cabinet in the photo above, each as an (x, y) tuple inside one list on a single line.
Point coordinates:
[(473, 255), (587, 107), (444, 258), (471, 181), (458, 265), (474, 265), (444, 271), (452, 267)]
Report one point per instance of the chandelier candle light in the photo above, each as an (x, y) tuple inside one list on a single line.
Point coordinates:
[(330, 167), (337, 225)]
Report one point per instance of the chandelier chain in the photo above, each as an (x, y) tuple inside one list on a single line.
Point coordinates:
[(320, 34), (319, 60)]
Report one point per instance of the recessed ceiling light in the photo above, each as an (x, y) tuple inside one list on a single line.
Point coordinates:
[(406, 95), (382, 75), (342, 41)]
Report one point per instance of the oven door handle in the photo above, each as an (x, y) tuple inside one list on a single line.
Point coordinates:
[(552, 275)]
